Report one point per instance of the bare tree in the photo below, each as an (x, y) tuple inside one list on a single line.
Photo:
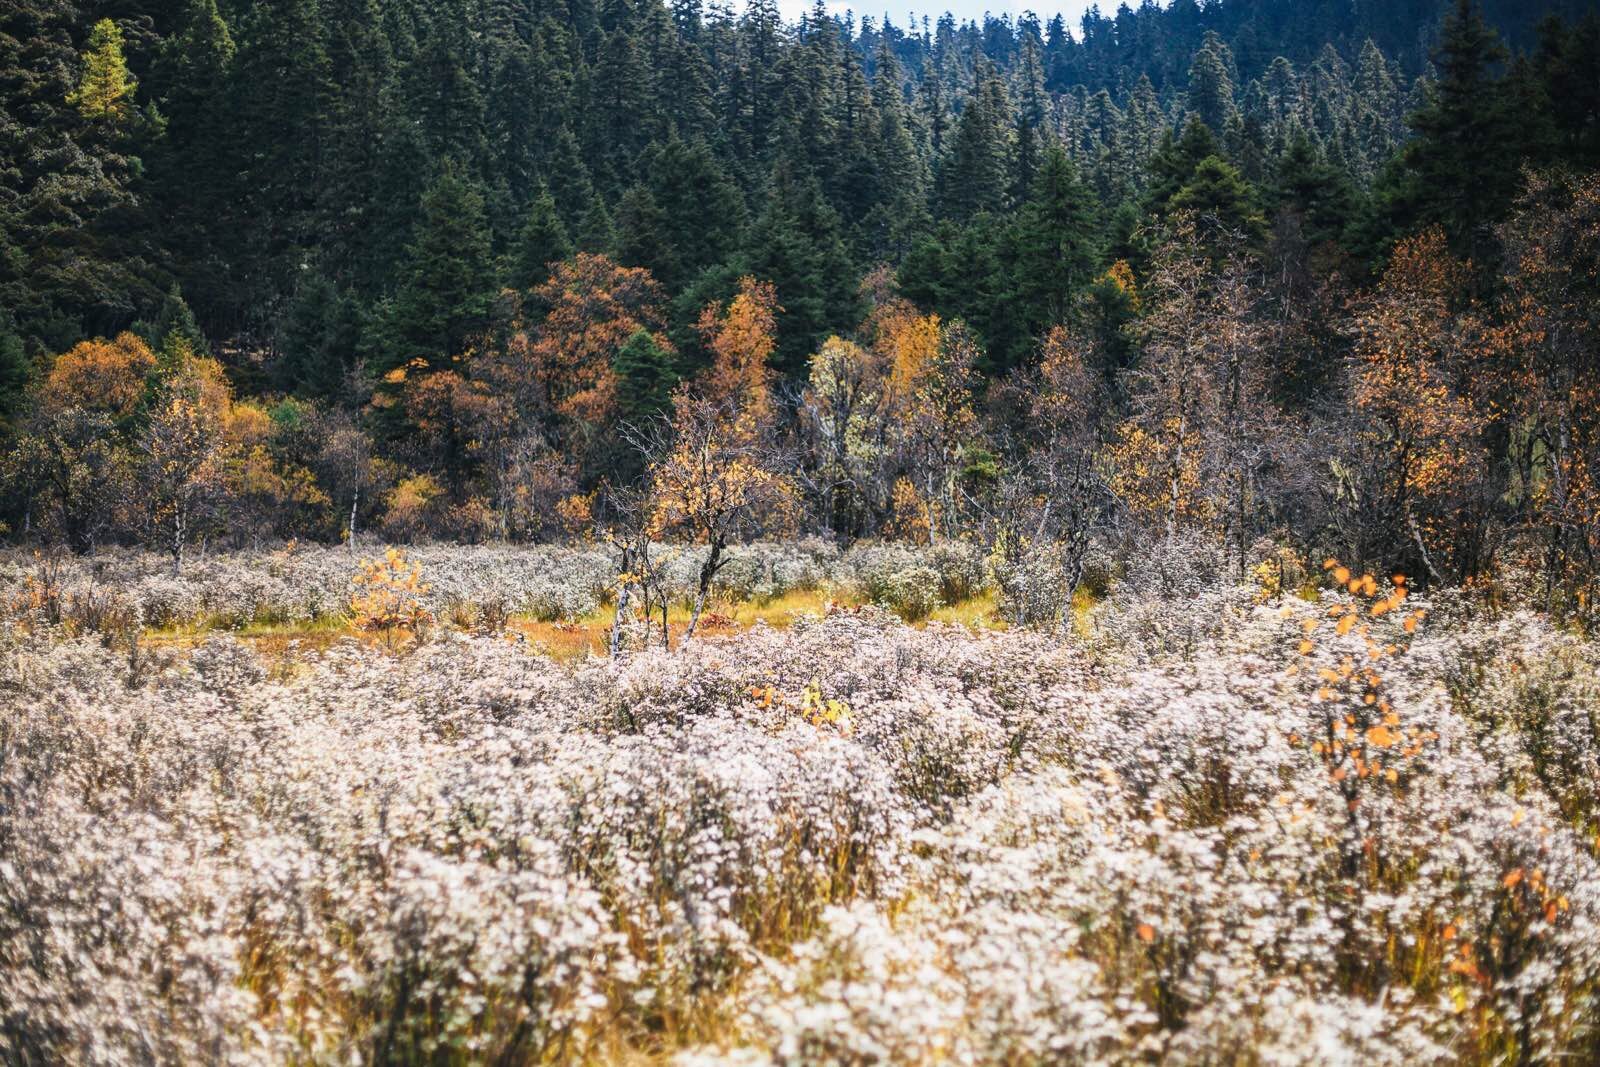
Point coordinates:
[(640, 576), (716, 481), (1053, 492), (182, 449)]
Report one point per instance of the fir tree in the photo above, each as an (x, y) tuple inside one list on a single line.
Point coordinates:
[(1211, 84), (1460, 170), (1175, 161), (317, 341), (976, 177), (15, 371), (447, 288), (542, 241), (797, 245), (596, 230), (1223, 205), (645, 377), (105, 92), (1052, 254)]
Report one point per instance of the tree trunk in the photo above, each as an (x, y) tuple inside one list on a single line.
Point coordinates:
[(708, 571), (177, 540), (616, 624)]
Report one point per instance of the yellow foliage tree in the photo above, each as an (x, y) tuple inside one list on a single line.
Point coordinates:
[(742, 338), (715, 482), (99, 375), (105, 92), (1420, 456), (388, 598)]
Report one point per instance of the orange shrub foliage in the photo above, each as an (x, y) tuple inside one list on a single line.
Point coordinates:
[(595, 306), (100, 375), (742, 338)]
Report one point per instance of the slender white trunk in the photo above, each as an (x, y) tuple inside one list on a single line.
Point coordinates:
[(355, 500)]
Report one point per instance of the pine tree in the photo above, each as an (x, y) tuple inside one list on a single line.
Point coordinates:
[(645, 377), (1052, 252), (701, 211), (280, 80), (596, 231), (1223, 205), (104, 94), (445, 97), (935, 112), (1460, 170), (1030, 135), (1175, 161), (71, 235), (976, 177), (1211, 83), (1316, 192), (797, 245), (15, 372), (542, 241), (618, 116), (318, 339), (641, 236), (447, 288)]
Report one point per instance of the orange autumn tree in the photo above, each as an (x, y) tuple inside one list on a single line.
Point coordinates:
[(1415, 472), (855, 408), (185, 449), (1159, 451), (908, 342), (934, 419), (923, 375), (99, 375), (716, 475), (714, 483), (595, 306), (1545, 381), (742, 338)]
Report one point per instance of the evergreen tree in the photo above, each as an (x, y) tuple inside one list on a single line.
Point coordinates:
[(445, 97), (645, 377), (976, 177), (105, 92), (1030, 135), (447, 287), (1316, 192), (796, 244), (1052, 252), (280, 82), (701, 213), (641, 236), (957, 271), (1223, 205), (542, 241), (15, 371), (1211, 83), (596, 231), (1176, 160), (72, 250), (1460, 170), (318, 339)]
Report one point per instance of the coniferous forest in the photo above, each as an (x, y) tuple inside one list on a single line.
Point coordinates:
[(650, 532), (439, 264)]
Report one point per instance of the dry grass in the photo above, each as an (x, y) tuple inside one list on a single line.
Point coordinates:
[(567, 641)]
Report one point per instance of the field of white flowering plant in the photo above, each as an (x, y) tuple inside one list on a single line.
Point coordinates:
[(1194, 827)]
